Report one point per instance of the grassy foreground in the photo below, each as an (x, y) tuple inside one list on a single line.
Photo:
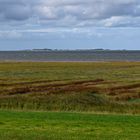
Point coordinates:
[(67, 86), (67, 126), (109, 87)]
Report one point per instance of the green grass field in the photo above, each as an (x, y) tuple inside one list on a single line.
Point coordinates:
[(67, 126)]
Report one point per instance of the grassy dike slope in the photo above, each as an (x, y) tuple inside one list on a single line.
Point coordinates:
[(67, 126), (71, 86)]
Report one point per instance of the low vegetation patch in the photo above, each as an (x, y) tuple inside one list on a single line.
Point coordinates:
[(100, 87)]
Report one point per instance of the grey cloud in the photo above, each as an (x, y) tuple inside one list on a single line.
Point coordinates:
[(14, 10), (70, 12)]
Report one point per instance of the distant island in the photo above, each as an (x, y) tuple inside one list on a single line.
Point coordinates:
[(49, 50), (71, 50), (76, 50)]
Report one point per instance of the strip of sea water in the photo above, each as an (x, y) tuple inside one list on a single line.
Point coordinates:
[(70, 56)]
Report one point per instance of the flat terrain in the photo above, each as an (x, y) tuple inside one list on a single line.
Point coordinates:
[(93, 88), (67, 126), (71, 86)]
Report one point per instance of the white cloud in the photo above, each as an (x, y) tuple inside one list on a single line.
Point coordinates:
[(69, 13), (10, 34)]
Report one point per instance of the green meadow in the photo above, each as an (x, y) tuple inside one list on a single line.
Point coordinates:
[(67, 126)]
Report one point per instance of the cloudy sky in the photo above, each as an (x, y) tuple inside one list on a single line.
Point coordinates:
[(69, 24)]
